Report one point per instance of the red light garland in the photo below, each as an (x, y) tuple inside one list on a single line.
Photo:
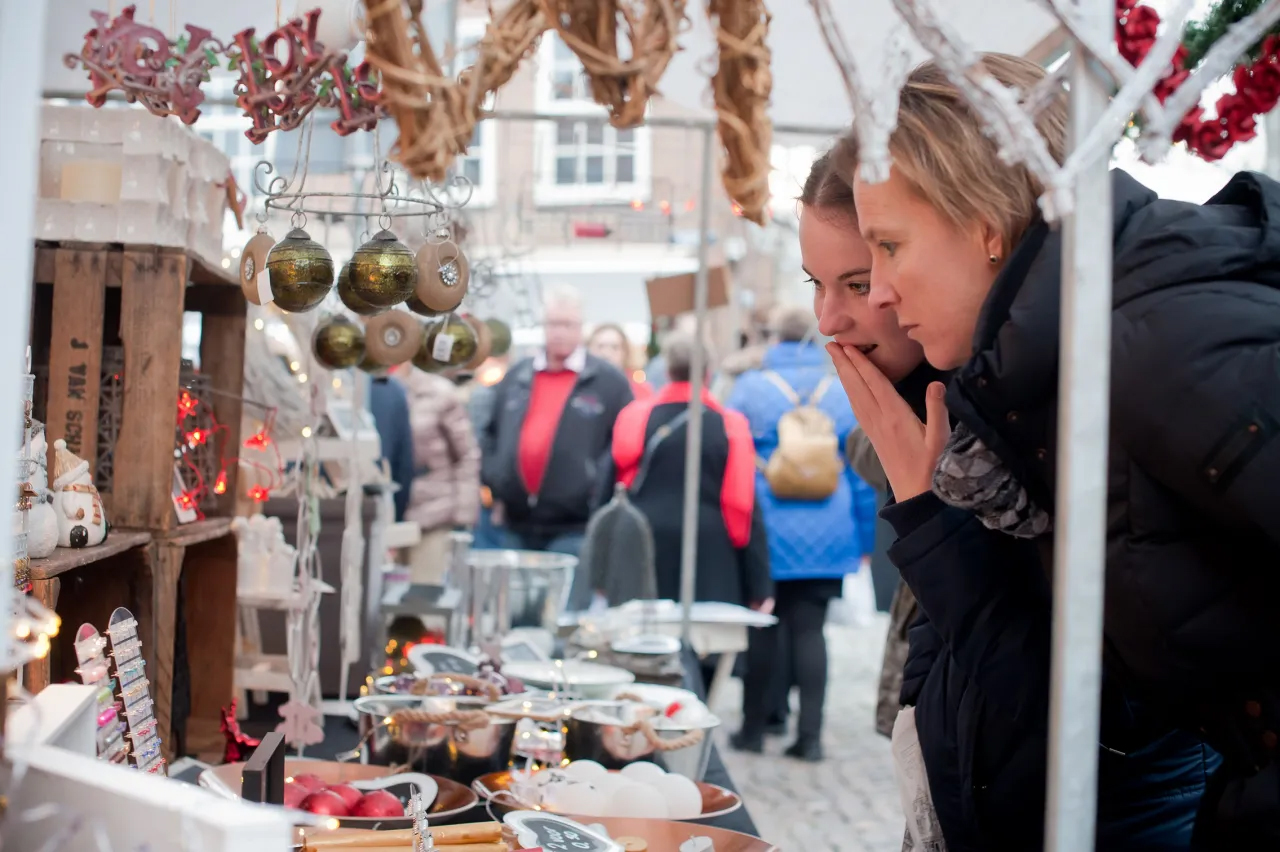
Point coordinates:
[(260, 440)]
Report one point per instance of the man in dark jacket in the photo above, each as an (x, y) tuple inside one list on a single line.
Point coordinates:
[(550, 426)]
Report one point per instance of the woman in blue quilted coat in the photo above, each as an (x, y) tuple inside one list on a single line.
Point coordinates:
[(813, 544)]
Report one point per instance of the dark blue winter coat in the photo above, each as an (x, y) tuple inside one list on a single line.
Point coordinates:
[(808, 539), (978, 675)]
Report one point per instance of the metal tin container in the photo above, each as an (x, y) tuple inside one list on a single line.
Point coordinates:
[(515, 588), (451, 749)]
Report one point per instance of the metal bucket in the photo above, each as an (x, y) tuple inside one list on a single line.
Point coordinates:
[(617, 745), (515, 588), (451, 749)]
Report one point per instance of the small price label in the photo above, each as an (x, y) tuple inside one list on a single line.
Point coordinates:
[(264, 287), (443, 347)]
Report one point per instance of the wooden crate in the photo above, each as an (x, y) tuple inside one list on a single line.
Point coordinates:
[(88, 296)]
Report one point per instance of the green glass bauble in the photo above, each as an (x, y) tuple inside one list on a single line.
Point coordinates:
[(338, 343), (383, 271), (300, 271), (501, 337), (354, 303)]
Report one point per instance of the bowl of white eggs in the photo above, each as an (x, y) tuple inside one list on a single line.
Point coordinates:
[(585, 788)]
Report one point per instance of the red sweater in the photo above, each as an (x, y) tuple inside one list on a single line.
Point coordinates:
[(547, 399)]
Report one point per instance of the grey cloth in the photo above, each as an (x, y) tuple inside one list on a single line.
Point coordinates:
[(902, 614), (617, 552), (971, 476)]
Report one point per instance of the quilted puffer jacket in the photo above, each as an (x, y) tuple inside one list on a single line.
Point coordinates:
[(446, 455), (807, 539), (1193, 550)]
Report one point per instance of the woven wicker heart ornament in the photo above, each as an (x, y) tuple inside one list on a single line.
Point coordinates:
[(590, 28)]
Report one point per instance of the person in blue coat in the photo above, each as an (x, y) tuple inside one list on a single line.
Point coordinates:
[(813, 544)]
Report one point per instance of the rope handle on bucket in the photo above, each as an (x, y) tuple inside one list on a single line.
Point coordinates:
[(467, 720), (422, 686), (657, 743)]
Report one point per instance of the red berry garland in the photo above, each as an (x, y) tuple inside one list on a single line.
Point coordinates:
[(1257, 85)]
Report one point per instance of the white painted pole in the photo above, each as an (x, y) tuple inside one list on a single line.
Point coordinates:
[(693, 447), (21, 62), (1083, 437)]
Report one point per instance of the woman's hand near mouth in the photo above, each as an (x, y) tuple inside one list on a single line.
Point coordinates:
[(908, 449)]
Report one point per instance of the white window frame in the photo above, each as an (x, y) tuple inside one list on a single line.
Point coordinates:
[(485, 192), (546, 192)]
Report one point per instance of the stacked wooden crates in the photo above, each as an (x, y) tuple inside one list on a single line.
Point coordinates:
[(92, 296)]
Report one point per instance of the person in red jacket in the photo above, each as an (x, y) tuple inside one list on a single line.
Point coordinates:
[(733, 553)]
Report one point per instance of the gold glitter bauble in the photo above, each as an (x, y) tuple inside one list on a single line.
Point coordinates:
[(383, 271), (301, 272), (500, 335), (451, 343), (354, 303), (338, 343)]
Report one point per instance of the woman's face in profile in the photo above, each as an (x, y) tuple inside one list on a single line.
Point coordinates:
[(838, 263), (934, 275), (608, 345)]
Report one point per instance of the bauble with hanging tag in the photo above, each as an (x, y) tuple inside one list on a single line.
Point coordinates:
[(253, 260), (338, 343), (392, 338), (500, 337), (301, 272), (383, 271), (443, 276), (452, 343), (354, 303)]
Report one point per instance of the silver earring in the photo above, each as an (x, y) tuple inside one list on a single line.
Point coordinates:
[(993, 259)]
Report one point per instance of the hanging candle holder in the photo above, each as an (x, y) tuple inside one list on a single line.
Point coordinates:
[(253, 263), (392, 338), (300, 270), (444, 273)]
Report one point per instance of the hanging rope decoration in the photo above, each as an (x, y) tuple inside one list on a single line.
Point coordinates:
[(589, 28), (741, 88), (436, 114)]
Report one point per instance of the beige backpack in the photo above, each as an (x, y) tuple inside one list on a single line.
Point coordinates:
[(806, 464)]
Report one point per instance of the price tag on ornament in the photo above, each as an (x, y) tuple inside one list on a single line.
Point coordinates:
[(443, 347), (264, 287)]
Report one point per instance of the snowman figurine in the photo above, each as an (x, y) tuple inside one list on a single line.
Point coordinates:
[(81, 520), (42, 523)]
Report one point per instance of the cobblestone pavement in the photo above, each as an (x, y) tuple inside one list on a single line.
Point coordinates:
[(848, 803)]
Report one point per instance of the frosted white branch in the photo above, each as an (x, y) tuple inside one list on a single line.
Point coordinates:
[(1004, 118), (875, 111)]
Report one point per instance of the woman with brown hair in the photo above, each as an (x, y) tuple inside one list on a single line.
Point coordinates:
[(961, 255), (609, 343)]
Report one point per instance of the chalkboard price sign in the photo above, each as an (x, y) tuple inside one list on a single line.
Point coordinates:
[(441, 659), (556, 834)]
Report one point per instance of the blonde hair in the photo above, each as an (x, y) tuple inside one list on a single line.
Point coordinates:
[(943, 151)]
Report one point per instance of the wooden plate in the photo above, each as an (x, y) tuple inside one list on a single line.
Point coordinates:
[(716, 801), (392, 338), (453, 799)]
